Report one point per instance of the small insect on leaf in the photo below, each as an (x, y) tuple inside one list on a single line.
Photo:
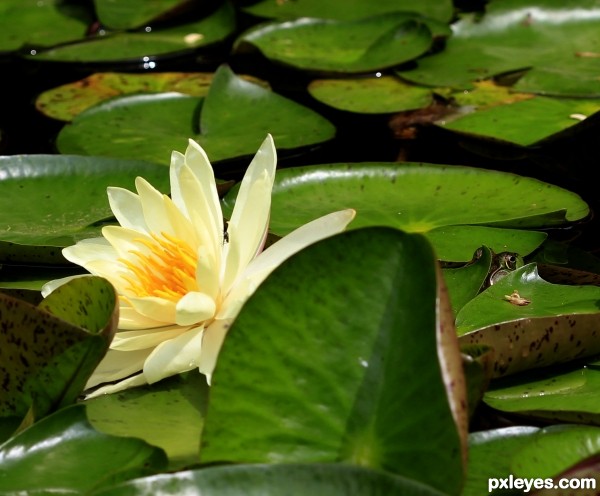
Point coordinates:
[(516, 299)]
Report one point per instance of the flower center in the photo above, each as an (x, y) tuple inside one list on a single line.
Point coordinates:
[(167, 271)]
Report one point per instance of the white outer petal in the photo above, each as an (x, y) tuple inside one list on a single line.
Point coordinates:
[(142, 340), (89, 250), (205, 216), (174, 356), (259, 268), (134, 381), (153, 206), (117, 365), (213, 338), (250, 217), (127, 208)]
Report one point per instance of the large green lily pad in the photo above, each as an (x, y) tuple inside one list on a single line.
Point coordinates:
[(55, 200), (121, 46), (362, 45), (323, 381), (424, 198), (556, 42), (229, 125), (48, 352)]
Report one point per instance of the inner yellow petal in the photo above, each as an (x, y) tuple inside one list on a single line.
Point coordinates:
[(167, 270)]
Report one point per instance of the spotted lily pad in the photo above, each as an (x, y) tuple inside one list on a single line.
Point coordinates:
[(66, 101), (48, 352), (545, 325)]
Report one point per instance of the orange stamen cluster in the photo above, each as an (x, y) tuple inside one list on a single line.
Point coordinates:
[(167, 271)]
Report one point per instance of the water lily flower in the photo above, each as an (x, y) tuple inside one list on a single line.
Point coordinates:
[(182, 276)]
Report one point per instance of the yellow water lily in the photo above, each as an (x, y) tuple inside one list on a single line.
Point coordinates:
[(182, 275)]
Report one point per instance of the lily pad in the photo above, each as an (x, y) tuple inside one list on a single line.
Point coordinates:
[(558, 324), (333, 479), (66, 101), (527, 121), (373, 95), (556, 42), (151, 126), (50, 351), (53, 200), (560, 394), (63, 454), (326, 386), (362, 45), (120, 46), (168, 414), (422, 198), (134, 13), (442, 10), (40, 24), (554, 449), (490, 453), (458, 243)]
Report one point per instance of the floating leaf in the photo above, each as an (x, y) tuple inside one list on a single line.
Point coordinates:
[(62, 453), (558, 325), (490, 454), (441, 10), (66, 101), (168, 414), (122, 46), (527, 121), (551, 40), (35, 23), (560, 394), (53, 200), (423, 198), (133, 13), (229, 124), (326, 387), (48, 352), (273, 480), (354, 46), (374, 95)]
